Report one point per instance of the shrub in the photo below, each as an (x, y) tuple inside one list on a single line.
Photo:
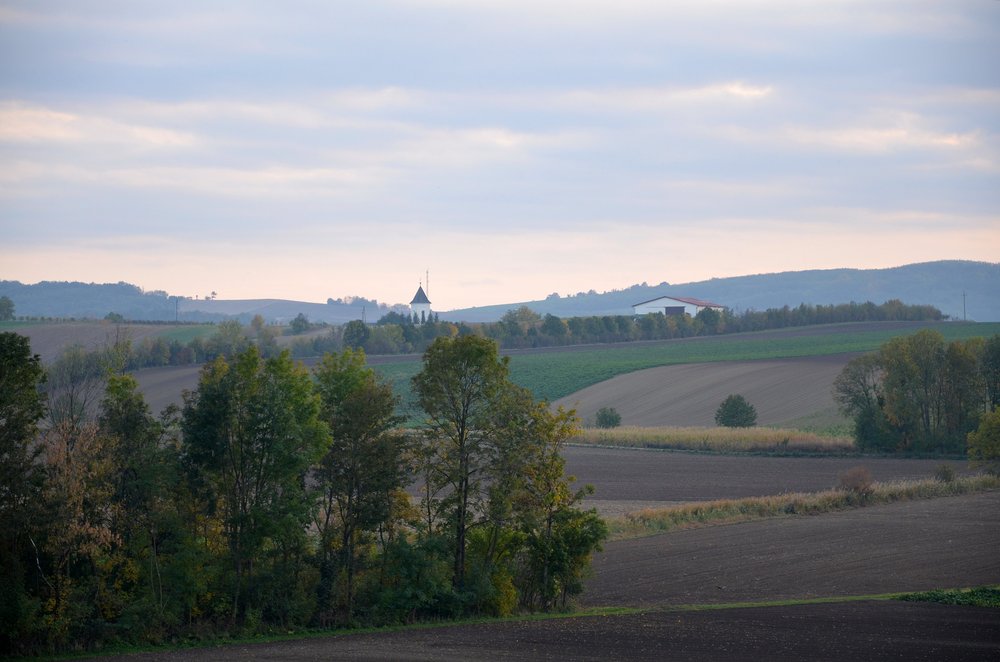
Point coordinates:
[(945, 473), (608, 417), (736, 412), (857, 480)]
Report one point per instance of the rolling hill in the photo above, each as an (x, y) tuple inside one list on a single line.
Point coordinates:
[(961, 289), (941, 284)]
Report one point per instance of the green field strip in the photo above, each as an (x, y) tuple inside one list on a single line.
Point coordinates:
[(553, 375)]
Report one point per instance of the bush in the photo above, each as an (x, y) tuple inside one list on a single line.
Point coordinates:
[(608, 417), (945, 474), (857, 480), (736, 412)]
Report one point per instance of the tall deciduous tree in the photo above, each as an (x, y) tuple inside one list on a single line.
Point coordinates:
[(21, 407), (6, 309), (362, 470), (461, 383), (251, 431)]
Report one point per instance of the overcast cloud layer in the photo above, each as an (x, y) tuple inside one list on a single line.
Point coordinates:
[(307, 150)]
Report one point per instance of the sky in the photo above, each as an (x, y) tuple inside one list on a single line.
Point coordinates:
[(512, 148)]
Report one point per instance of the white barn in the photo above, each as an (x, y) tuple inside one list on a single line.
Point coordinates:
[(674, 306)]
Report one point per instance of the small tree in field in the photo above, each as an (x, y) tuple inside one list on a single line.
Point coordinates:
[(984, 443), (6, 309), (608, 417), (736, 412)]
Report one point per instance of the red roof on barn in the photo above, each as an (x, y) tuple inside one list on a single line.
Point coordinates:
[(687, 300)]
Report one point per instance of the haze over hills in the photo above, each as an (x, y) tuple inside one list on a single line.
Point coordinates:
[(942, 284)]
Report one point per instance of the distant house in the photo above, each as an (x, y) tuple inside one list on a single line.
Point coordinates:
[(674, 306), (421, 305)]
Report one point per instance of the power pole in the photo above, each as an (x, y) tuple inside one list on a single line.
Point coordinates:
[(965, 318)]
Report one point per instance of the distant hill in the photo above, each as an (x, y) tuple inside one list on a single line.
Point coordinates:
[(940, 284), (94, 301)]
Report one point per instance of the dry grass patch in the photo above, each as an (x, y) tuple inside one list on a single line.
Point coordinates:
[(651, 521), (719, 440)]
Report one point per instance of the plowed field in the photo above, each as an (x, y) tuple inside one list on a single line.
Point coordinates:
[(688, 395), (629, 479), (944, 542)]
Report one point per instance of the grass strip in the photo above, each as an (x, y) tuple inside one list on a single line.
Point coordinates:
[(776, 441), (981, 596), (653, 521)]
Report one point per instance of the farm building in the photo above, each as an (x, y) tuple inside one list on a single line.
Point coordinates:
[(421, 305), (674, 306)]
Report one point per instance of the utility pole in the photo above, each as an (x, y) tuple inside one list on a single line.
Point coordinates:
[(965, 318)]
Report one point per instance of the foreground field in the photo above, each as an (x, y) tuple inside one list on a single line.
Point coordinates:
[(901, 547), (911, 546)]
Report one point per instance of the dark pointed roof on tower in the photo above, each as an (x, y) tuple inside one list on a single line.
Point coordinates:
[(420, 297)]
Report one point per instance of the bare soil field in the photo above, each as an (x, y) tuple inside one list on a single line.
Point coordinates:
[(899, 547), (856, 631), (688, 395), (165, 386), (630, 479), (49, 340), (912, 546)]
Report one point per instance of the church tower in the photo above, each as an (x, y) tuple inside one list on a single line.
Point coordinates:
[(421, 306)]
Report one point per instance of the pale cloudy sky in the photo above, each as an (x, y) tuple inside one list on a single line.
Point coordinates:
[(515, 148)]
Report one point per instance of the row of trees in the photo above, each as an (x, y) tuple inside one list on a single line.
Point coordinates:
[(519, 328), (277, 498), (919, 393)]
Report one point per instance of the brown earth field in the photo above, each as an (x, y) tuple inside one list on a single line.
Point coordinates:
[(629, 479), (897, 547), (49, 340), (780, 390)]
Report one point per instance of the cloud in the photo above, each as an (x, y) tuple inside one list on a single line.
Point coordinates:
[(21, 122)]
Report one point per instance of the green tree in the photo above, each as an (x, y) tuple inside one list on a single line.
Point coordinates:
[(228, 340), (989, 367), (362, 471), (911, 387), (554, 327), (558, 538), (462, 381), (300, 324), (608, 417), (6, 309), (736, 412), (22, 406), (858, 392), (711, 320), (251, 431), (356, 334), (984, 443)]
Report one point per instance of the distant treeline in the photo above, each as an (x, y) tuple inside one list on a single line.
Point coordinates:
[(521, 328), (524, 328)]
